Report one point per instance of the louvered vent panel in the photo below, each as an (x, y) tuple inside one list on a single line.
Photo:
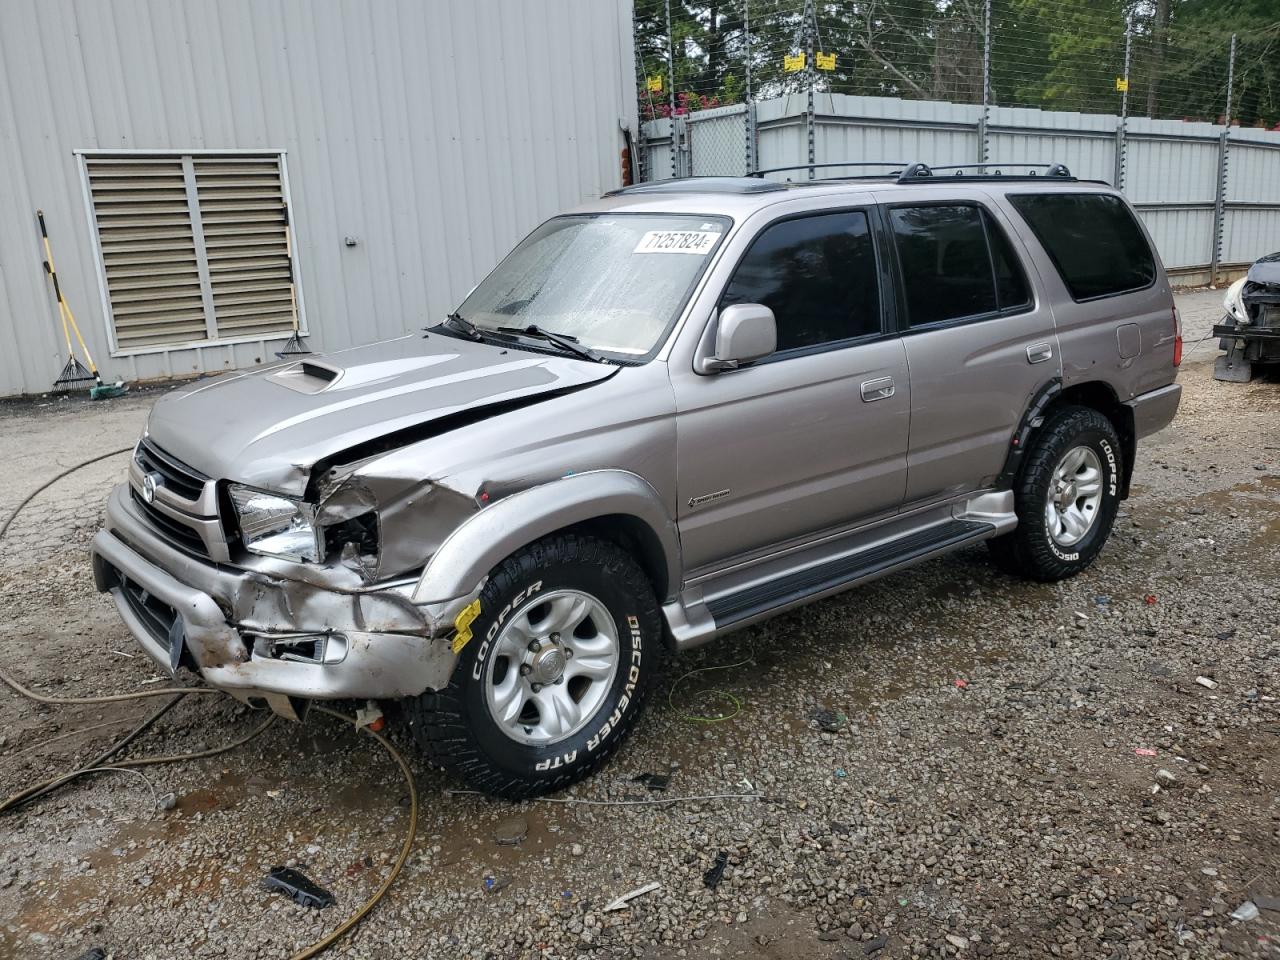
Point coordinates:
[(242, 211), (148, 251)]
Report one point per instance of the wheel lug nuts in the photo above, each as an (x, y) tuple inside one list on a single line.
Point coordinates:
[(554, 638), (535, 645), (535, 687), (525, 669), (560, 679), (567, 653)]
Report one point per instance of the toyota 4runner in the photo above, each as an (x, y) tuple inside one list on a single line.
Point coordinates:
[(668, 414)]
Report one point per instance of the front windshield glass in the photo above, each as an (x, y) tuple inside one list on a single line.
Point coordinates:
[(614, 282)]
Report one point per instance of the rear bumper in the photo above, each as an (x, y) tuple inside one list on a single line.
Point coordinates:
[(255, 635), (1155, 409)]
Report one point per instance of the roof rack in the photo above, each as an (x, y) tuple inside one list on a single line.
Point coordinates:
[(921, 171), (917, 172), (901, 165)]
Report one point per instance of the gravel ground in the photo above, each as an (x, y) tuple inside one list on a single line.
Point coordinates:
[(956, 763)]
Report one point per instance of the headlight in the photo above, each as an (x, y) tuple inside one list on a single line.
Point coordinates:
[(1233, 302), (276, 526)]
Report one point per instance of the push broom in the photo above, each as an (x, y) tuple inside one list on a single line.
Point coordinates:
[(74, 372)]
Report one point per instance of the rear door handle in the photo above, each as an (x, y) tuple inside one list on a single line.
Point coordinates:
[(881, 389), (1039, 352)]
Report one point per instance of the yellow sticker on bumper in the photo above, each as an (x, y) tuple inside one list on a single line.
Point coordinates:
[(462, 623)]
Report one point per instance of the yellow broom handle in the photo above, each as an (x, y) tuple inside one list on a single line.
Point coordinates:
[(93, 367), (64, 308), (57, 291)]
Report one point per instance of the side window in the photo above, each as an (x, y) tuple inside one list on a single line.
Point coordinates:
[(818, 276), (1093, 240), (1012, 290), (946, 267)]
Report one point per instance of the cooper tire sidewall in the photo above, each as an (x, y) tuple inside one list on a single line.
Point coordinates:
[(1107, 447), (637, 643)]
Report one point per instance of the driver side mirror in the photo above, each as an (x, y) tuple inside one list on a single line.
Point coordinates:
[(744, 332)]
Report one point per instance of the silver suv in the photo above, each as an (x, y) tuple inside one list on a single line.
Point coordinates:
[(666, 415)]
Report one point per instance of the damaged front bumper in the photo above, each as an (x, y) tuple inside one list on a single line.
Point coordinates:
[(260, 636)]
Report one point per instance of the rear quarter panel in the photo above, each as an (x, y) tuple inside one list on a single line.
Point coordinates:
[(1090, 333)]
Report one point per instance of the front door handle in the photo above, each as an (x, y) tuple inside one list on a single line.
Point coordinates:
[(1039, 352), (881, 389)]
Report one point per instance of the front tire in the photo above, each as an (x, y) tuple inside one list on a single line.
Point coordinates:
[(561, 658), (1066, 497)]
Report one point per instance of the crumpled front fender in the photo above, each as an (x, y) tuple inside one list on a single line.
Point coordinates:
[(500, 529)]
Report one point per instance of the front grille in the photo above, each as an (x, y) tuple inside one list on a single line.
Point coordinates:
[(187, 482), (179, 534), (156, 615)]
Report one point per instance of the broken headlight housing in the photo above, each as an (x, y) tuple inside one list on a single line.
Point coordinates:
[(277, 526)]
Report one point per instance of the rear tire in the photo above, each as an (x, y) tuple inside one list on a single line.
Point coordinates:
[(1066, 497), (562, 655)]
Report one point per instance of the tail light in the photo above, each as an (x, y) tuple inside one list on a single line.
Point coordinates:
[(1177, 338)]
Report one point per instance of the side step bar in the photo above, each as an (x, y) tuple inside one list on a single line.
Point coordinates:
[(842, 572)]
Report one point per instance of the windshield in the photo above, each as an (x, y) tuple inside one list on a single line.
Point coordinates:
[(613, 282)]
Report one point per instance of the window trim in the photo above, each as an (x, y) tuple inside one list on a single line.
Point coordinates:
[(83, 157), (887, 306), (1133, 217), (989, 220)]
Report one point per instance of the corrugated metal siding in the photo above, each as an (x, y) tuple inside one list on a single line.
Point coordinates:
[(1253, 172), (1248, 234), (1184, 236), (1171, 171), (436, 134), (1084, 142)]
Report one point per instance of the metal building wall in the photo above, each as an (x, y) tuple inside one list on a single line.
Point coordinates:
[(435, 133)]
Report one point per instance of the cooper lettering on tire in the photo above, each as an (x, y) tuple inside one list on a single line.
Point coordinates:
[(1066, 497), (564, 653)]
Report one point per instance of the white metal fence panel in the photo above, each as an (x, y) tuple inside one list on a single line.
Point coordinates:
[(1171, 170), (838, 138), (1183, 235), (1253, 171), (1250, 232), (1086, 143), (1251, 220)]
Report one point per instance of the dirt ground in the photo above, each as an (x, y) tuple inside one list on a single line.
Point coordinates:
[(954, 762)]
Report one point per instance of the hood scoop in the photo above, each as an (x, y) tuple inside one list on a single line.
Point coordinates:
[(308, 376)]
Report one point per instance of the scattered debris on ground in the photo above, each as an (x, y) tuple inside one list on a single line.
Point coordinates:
[(1015, 814)]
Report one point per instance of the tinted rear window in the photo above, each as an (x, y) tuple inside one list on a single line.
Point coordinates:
[(1094, 242), (956, 264)]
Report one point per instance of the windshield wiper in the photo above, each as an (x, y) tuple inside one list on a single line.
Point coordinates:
[(465, 326), (561, 340)]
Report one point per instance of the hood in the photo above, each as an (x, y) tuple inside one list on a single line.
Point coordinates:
[(1266, 269), (270, 427)]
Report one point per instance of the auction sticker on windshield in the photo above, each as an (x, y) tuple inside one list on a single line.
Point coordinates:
[(697, 242)]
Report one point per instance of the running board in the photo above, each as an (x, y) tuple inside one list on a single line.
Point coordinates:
[(740, 593)]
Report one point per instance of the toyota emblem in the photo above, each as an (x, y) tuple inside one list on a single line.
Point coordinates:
[(149, 484)]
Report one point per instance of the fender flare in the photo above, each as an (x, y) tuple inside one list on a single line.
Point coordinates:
[(1120, 414), (499, 530), (1031, 420)]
